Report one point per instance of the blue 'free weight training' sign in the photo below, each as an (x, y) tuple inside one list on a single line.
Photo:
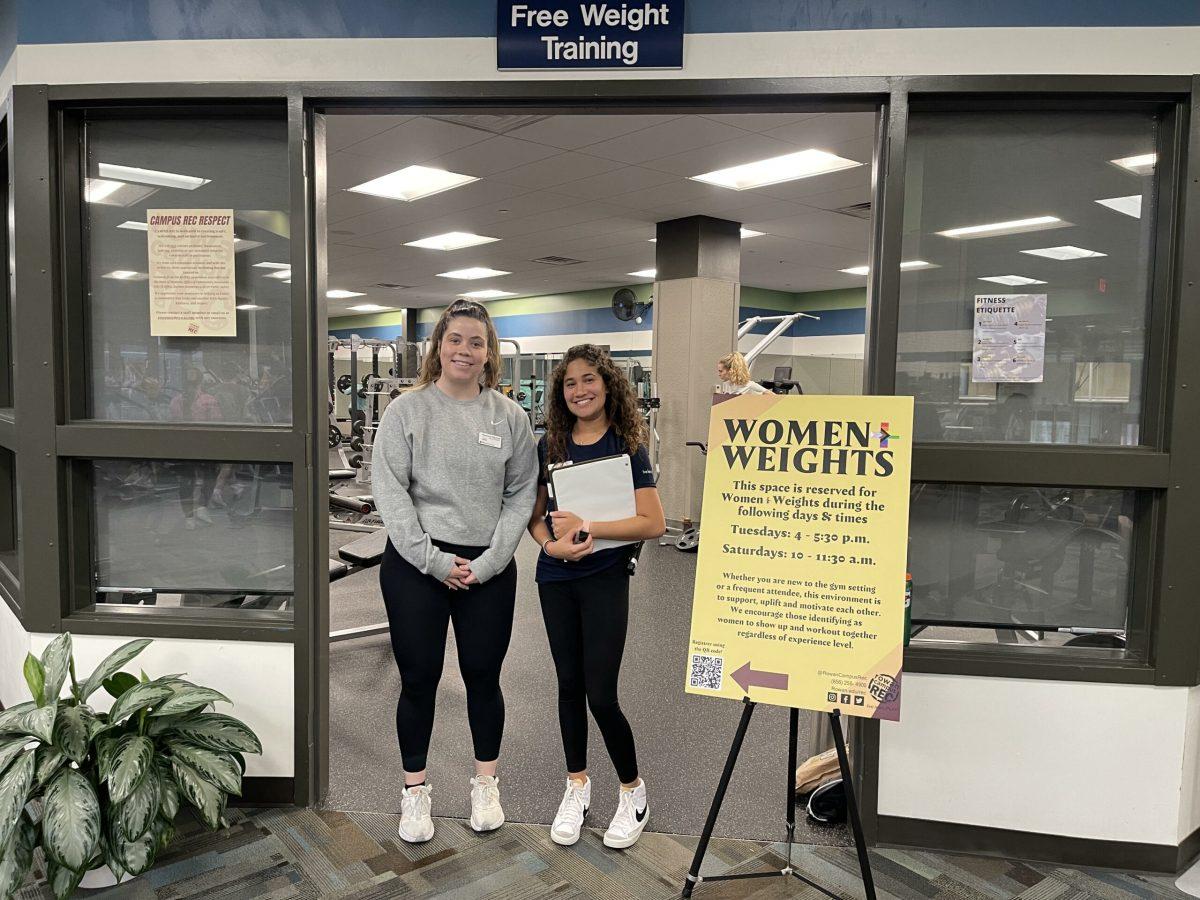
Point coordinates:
[(576, 34)]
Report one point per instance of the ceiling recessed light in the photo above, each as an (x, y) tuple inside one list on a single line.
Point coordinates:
[(126, 275), (370, 307), (142, 226), (1064, 252), (490, 294), (1138, 165), (250, 307), (451, 240), (150, 176), (777, 169), (271, 265), (745, 233), (1130, 206), (1014, 226), (281, 274), (412, 183), (904, 266), (240, 244), (1011, 280), (644, 273), (473, 273), (339, 294), (114, 193)]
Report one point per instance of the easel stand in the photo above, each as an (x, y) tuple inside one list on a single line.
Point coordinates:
[(864, 862)]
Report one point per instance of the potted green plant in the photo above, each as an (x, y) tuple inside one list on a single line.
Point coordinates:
[(95, 789)]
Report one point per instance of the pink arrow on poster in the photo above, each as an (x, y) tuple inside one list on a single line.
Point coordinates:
[(747, 677)]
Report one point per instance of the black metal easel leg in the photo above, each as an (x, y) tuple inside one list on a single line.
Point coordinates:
[(860, 844), (790, 819), (693, 875)]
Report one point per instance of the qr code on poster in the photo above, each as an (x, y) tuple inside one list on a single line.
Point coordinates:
[(706, 672)]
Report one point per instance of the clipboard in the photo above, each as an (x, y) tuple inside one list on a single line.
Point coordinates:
[(599, 490)]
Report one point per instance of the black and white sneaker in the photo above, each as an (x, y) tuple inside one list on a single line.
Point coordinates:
[(568, 821), (633, 812)]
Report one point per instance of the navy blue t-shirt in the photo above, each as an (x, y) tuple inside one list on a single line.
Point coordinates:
[(551, 569)]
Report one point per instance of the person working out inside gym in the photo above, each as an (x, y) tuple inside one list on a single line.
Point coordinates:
[(735, 376), (592, 414), (455, 475)]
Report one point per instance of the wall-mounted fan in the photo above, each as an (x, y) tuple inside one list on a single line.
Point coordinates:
[(627, 307)]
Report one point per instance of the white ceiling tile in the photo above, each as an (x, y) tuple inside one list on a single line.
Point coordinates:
[(490, 157), (561, 169), (760, 122), (667, 139), (418, 139), (619, 181), (745, 149), (343, 130), (573, 132), (828, 129)]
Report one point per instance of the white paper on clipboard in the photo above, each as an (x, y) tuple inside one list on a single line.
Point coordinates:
[(600, 490)]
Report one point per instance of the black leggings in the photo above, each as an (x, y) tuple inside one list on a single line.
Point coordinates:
[(586, 620), (419, 609)]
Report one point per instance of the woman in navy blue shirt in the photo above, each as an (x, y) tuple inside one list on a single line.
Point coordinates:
[(592, 413)]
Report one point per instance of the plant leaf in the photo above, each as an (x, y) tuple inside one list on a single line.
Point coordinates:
[(63, 881), (219, 732), (137, 811), (189, 699), (72, 729), (106, 751), (56, 661), (218, 769), (27, 718), (111, 664), (119, 683), (71, 820), (169, 794), (136, 856), (48, 760), (14, 794), (202, 795), (164, 833), (131, 761), (17, 857), (35, 677), (10, 747), (136, 698)]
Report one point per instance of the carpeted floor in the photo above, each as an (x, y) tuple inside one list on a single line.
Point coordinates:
[(682, 740), (290, 853)]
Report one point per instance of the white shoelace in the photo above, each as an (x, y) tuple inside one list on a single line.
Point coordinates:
[(626, 817), (486, 793), (571, 810), (415, 804)]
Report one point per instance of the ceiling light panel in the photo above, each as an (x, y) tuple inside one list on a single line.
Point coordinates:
[(281, 274), (1138, 165), (412, 183), (339, 294), (907, 266), (777, 169), (1064, 252), (114, 193), (1130, 206), (271, 265), (370, 307), (490, 294), (644, 273), (451, 240), (131, 225), (125, 275), (250, 307), (996, 229), (1010, 280), (473, 274), (745, 234), (152, 177)]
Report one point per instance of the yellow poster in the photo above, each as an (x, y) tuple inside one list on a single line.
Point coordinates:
[(799, 597), (192, 279)]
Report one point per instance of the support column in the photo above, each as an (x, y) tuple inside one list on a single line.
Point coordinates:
[(696, 298)]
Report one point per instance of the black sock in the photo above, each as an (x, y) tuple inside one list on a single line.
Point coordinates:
[(407, 786)]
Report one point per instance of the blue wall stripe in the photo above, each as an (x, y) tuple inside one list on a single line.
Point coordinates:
[(833, 321), (76, 21)]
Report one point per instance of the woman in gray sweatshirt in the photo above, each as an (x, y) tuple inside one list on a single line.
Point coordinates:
[(454, 472)]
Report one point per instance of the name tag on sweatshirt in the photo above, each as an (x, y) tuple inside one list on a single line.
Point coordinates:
[(489, 440)]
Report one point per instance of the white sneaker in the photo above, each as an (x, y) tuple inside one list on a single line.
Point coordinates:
[(633, 811), (568, 821), (486, 814), (416, 826)]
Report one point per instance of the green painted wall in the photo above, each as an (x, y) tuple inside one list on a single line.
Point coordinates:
[(368, 320)]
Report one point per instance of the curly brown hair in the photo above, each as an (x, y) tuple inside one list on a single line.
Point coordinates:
[(431, 366), (620, 404)]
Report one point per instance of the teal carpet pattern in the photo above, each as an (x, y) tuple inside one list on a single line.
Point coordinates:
[(286, 853)]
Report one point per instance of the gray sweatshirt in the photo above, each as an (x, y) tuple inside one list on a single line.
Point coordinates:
[(457, 471)]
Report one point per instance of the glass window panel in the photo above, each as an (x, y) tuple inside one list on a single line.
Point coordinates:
[(1011, 564), (134, 377), (9, 511), (994, 173), (192, 533)]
